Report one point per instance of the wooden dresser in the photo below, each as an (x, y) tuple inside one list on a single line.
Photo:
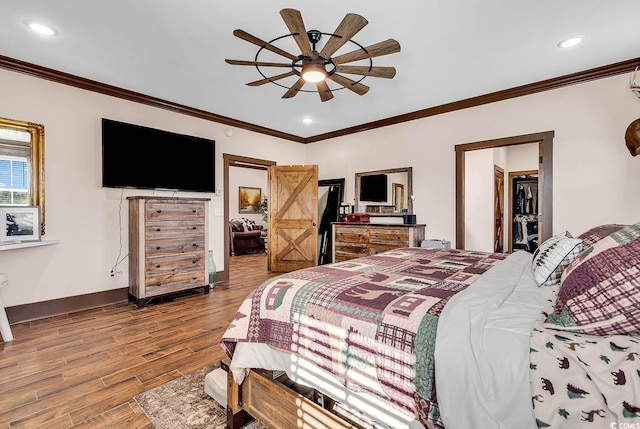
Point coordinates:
[(168, 239), (354, 239)]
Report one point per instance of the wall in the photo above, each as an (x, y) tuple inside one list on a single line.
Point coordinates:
[(478, 188), (82, 215), (595, 178), (479, 191)]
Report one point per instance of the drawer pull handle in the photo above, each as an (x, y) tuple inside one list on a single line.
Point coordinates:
[(159, 211), (195, 244), (194, 278), (157, 229), (193, 227), (194, 261), (157, 247), (194, 210), (158, 284), (157, 266)]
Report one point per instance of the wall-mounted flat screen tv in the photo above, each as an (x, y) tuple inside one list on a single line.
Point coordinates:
[(373, 188), (134, 156)]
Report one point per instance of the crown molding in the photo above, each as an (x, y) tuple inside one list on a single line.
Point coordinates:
[(532, 88)]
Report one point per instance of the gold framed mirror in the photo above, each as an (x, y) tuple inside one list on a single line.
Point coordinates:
[(23, 142)]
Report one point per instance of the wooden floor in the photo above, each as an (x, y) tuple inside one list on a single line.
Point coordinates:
[(82, 370)]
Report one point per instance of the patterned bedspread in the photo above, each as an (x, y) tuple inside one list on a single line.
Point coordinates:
[(370, 321), (585, 381)]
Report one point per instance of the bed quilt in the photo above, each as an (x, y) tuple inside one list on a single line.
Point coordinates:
[(370, 321)]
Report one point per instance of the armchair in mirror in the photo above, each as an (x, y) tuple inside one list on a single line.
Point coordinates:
[(384, 191), (22, 165)]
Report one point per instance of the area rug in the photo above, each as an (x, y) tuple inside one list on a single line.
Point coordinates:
[(182, 404)]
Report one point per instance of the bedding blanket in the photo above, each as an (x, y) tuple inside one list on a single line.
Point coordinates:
[(584, 381), (369, 321)]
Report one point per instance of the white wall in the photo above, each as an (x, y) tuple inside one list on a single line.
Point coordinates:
[(595, 178), (478, 189), (81, 214)]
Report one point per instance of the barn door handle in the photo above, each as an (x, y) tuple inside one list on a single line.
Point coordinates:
[(314, 224)]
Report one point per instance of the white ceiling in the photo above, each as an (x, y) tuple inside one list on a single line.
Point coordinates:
[(451, 50)]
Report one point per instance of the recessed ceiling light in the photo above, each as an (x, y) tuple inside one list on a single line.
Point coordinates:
[(40, 28), (307, 121), (573, 41)]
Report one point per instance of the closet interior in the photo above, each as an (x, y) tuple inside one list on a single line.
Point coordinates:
[(524, 210)]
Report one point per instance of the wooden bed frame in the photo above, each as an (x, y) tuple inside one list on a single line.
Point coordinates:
[(279, 403)]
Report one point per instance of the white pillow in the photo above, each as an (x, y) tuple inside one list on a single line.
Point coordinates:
[(553, 256)]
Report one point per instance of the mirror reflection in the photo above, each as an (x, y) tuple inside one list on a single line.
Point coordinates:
[(22, 165), (384, 191)]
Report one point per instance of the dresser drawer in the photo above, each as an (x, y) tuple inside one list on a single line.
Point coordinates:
[(162, 265), (156, 210), (173, 229), (174, 246), (354, 235), (171, 282), (383, 247), (345, 251), (390, 234)]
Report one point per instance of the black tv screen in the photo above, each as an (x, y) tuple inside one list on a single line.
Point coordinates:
[(134, 156), (373, 188)]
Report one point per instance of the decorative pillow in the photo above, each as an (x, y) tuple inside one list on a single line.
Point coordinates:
[(600, 290), (597, 233), (247, 225), (553, 256)]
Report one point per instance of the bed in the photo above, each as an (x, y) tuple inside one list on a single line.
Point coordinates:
[(431, 338)]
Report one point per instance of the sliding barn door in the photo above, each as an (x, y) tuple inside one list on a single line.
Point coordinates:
[(293, 212)]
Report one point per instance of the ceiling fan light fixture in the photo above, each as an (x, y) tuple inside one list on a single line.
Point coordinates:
[(314, 72)]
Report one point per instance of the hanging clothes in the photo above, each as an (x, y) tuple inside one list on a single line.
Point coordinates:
[(520, 197), (528, 201)]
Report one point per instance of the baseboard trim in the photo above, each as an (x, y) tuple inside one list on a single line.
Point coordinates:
[(55, 307)]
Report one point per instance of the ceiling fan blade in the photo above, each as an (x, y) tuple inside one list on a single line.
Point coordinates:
[(324, 91), (271, 79), (354, 86), (256, 63), (294, 89), (293, 19), (348, 28), (389, 46), (259, 42), (376, 71)]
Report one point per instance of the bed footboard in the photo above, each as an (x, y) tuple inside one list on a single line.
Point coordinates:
[(275, 403)]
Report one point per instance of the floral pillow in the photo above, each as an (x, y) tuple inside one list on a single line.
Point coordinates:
[(600, 290), (553, 256)]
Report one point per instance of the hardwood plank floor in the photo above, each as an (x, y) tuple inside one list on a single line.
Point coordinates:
[(82, 370)]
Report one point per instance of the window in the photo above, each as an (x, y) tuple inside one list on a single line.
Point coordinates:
[(14, 180), (14, 168)]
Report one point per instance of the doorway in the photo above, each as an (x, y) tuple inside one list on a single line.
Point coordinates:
[(498, 212), (330, 198), (230, 161), (545, 179)]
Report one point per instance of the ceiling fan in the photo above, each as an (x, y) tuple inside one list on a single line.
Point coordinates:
[(319, 66)]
